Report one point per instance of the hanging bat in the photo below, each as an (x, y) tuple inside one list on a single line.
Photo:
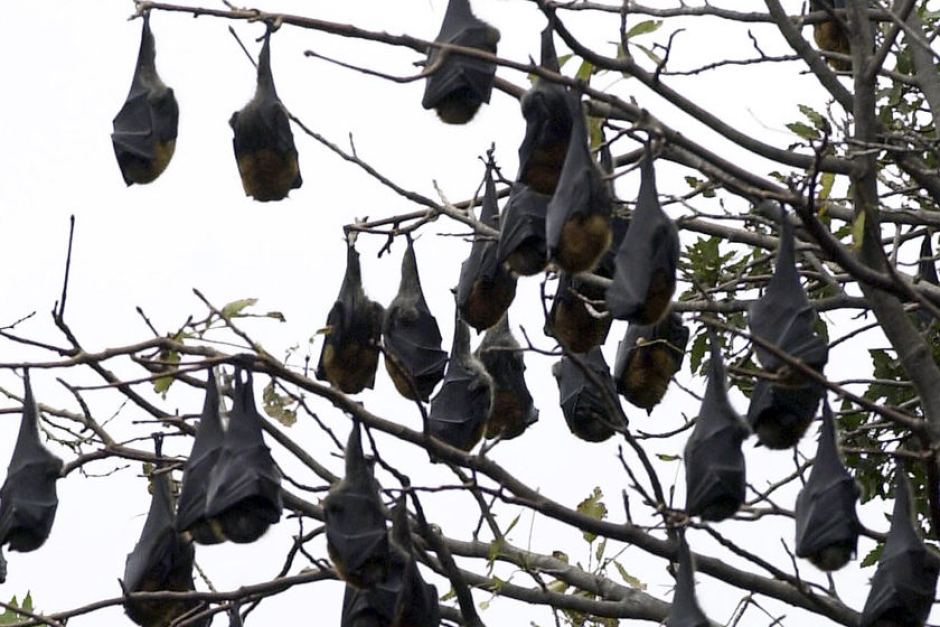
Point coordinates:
[(522, 244), (244, 493), (355, 527), (350, 353), (645, 275), (582, 404), (647, 359), (927, 272), (458, 84), (28, 499), (413, 354), (402, 599), (263, 142), (3, 566), (577, 219), (570, 321), (902, 590), (548, 117), (144, 136), (486, 288), (462, 406), (714, 463), (161, 560), (826, 522), (513, 409), (191, 507), (685, 610), (781, 411), (830, 36)]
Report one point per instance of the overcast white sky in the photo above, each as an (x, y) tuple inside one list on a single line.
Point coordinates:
[(68, 66)]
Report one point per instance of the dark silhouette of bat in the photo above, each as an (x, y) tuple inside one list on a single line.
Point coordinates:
[(462, 406), (413, 355), (28, 500), (513, 409), (263, 142), (355, 527), (902, 590), (350, 353), (577, 219), (460, 84), (522, 244), (3, 566), (403, 599), (685, 610), (647, 359), (584, 406), (191, 506), (830, 36), (486, 288), (645, 276), (927, 272), (144, 136), (570, 321), (826, 523), (162, 559), (244, 493), (714, 463), (547, 113), (781, 410)]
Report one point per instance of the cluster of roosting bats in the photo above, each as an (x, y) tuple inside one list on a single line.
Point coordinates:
[(559, 214)]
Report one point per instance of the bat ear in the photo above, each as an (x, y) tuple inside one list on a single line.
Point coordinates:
[(356, 464), (401, 530), (549, 58)]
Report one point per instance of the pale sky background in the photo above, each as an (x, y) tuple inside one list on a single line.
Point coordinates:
[(68, 66)]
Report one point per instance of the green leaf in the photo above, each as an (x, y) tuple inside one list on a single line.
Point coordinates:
[(858, 231), (277, 406), (873, 556), (585, 71), (644, 28), (697, 353), (599, 552), (594, 507), (825, 188), (667, 458), (162, 384), (632, 581), (652, 56), (235, 307), (803, 130), (511, 525)]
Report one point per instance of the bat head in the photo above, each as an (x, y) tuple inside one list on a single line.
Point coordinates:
[(570, 321), (191, 507), (28, 499), (584, 406), (645, 264), (355, 527), (780, 415), (685, 611), (244, 493), (513, 409), (350, 349)]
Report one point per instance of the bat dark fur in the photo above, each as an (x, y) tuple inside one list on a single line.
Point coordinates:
[(583, 405), (513, 409), (263, 141), (548, 126), (355, 527), (461, 408), (485, 288), (648, 358), (714, 464), (28, 499), (831, 37), (350, 352), (244, 493), (522, 245), (685, 610), (144, 136), (162, 560), (460, 85), (205, 452), (413, 355), (645, 265)]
